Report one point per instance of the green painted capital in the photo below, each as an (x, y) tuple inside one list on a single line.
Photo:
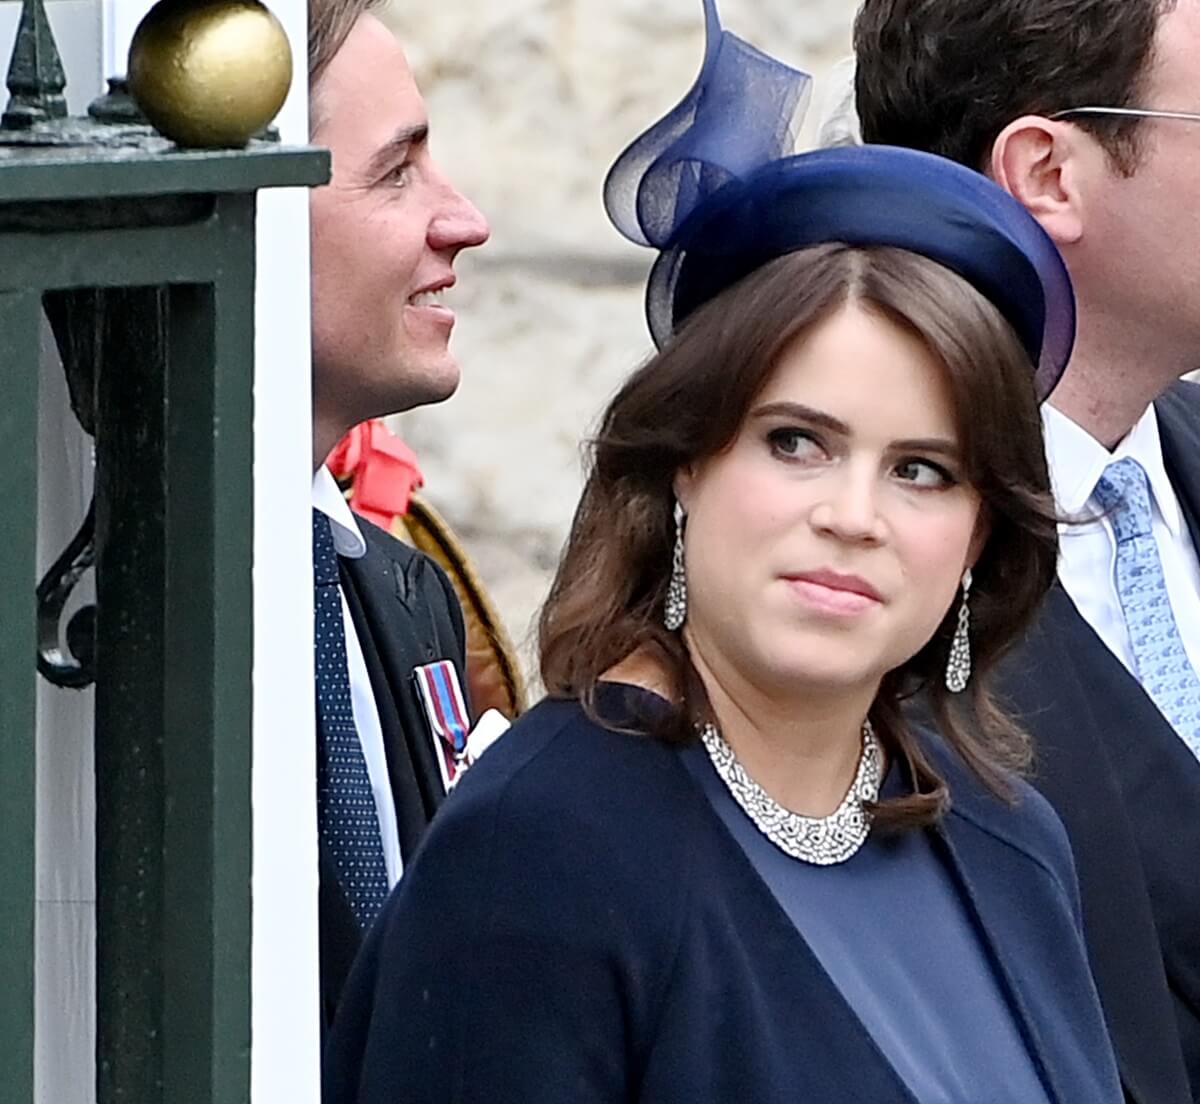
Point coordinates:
[(146, 164)]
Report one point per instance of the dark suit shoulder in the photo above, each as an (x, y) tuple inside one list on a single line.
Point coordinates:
[(1182, 395), (1178, 411), (404, 556), (384, 542), (412, 576)]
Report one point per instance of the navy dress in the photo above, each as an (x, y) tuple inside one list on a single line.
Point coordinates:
[(893, 929), (581, 926)]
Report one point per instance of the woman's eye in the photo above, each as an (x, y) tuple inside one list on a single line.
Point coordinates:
[(923, 473), (794, 443)]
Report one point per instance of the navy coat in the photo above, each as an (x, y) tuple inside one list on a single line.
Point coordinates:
[(580, 928)]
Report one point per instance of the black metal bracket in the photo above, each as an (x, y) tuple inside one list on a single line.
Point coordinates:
[(76, 667)]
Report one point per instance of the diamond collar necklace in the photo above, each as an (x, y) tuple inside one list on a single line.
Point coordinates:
[(822, 841)]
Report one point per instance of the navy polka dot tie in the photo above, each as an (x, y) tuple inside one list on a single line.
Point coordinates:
[(346, 814)]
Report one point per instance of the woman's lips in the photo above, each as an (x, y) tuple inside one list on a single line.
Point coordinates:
[(841, 596)]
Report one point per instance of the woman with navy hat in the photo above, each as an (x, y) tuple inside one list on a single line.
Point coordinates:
[(723, 861)]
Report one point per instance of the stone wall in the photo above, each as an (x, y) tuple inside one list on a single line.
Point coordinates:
[(530, 101)]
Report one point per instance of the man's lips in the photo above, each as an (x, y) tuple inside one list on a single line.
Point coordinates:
[(427, 306), (427, 293)]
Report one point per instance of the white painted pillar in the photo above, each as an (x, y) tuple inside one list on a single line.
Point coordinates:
[(286, 990)]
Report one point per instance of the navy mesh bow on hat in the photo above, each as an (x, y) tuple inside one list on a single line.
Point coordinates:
[(716, 188)]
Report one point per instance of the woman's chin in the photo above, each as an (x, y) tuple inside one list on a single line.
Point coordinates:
[(819, 677)]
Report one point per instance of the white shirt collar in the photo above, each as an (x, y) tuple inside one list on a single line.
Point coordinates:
[(328, 498), (1077, 461)]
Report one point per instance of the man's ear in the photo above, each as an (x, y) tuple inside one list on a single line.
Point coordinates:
[(1037, 161)]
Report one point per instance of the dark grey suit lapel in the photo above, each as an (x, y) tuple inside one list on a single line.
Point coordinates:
[(1127, 788), (397, 634), (1175, 885), (1096, 735)]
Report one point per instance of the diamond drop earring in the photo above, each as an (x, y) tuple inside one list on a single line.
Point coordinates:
[(675, 607), (958, 666)]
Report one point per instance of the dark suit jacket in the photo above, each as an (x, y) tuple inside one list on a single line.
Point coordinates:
[(405, 614), (580, 927), (1128, 791)]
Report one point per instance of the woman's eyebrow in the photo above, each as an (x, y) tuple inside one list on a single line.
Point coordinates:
[(943, 446), (802, 413)]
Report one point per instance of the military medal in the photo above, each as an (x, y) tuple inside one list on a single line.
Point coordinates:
[(445, 708)]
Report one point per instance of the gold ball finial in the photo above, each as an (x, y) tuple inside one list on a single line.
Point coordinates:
[(210, 73)]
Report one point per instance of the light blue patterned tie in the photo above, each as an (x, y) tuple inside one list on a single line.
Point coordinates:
[(1162, 664), (346, 815)]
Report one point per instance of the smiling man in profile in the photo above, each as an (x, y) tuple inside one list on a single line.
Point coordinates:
[(385, 235)]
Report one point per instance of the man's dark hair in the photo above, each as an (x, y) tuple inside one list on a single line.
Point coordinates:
[(947, 76)]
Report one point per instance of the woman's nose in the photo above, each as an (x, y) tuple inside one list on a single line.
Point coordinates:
[(849, 507)]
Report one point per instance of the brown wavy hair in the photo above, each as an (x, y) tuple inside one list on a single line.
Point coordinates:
[(689, 401)]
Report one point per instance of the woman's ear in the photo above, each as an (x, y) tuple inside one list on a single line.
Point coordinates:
[(979, 538), (1038, 162), (684, 485)]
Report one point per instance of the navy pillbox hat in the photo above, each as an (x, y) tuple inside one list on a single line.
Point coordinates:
[(714, 187)]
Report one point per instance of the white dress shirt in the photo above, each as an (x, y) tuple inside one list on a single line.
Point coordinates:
[(1088, 552), (348, 540)]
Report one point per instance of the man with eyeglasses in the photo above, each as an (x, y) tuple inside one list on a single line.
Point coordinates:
[(1088, 112)]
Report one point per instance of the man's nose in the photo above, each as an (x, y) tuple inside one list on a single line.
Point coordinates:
[(459, 224)]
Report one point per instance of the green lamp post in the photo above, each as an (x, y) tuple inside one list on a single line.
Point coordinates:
[(141, 254)]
